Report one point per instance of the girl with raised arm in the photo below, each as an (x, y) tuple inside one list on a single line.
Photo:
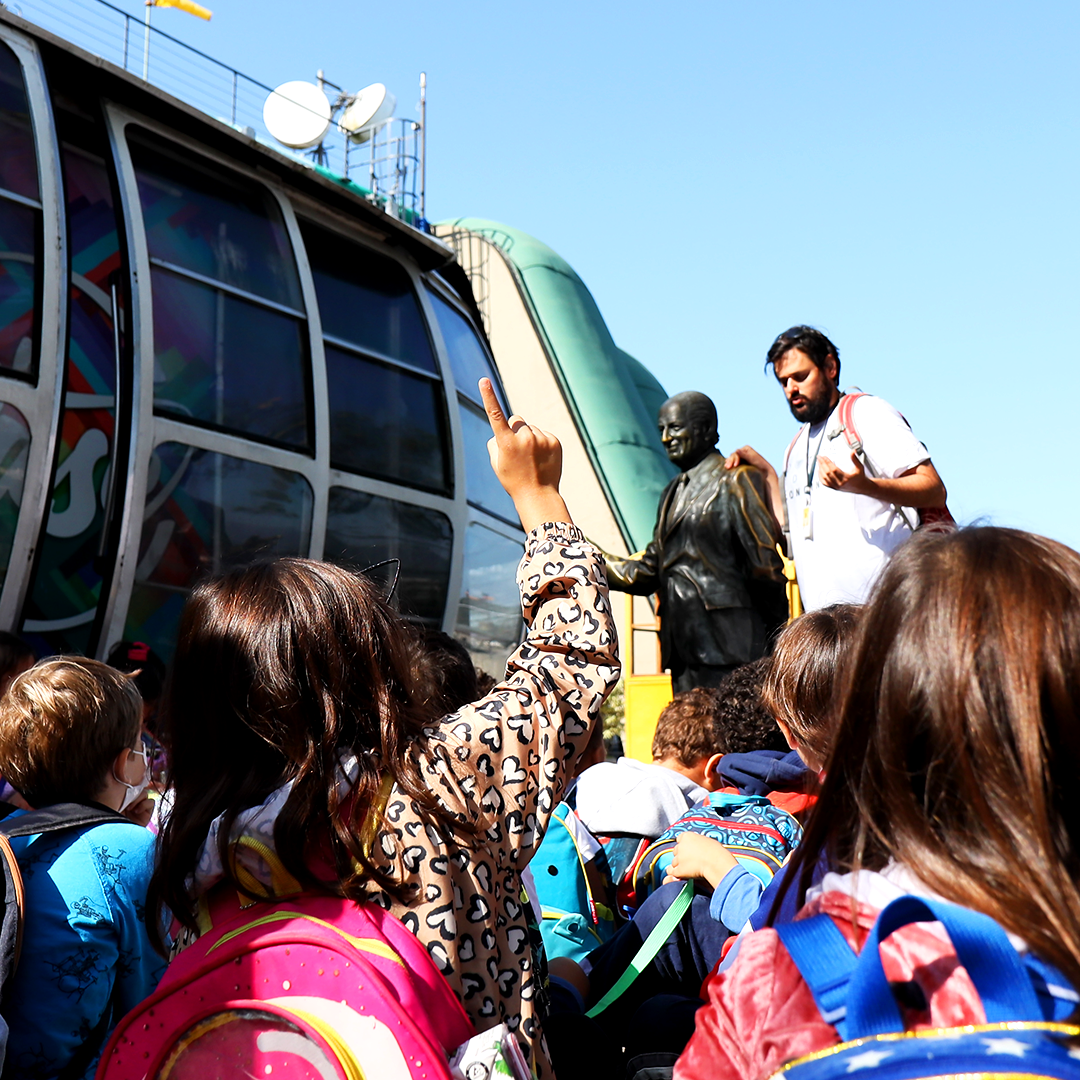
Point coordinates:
[(293, 721)]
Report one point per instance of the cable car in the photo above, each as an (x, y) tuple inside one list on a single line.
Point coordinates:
[(211, 353)]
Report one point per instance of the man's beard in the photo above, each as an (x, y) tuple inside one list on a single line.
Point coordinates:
[(812, 411)]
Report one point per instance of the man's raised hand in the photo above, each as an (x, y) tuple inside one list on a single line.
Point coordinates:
[(832, 476), (746, 455), (527, 461)]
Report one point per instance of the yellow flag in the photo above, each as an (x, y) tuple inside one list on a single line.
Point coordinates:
[(185, 5)]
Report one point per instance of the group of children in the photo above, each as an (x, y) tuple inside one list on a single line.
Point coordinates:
[(936, 741)]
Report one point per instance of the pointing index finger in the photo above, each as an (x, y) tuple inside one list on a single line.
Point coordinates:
[(495, 415)]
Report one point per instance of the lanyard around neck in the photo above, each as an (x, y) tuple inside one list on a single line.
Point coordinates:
[(811, 463), (812, 468)]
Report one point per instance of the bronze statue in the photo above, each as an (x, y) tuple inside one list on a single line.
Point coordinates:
[(712, 558)]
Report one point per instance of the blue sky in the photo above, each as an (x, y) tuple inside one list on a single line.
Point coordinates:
[(902, 176)]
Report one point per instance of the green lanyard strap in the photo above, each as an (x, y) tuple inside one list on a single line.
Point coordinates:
[(649, 948)]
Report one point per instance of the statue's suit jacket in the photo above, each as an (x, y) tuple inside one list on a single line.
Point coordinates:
[(714, 564)]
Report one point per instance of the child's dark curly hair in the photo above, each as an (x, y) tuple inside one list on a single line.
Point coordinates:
[(742, 722)]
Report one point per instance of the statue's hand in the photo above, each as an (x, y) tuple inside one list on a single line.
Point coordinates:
[(528, 463), (746, 455)]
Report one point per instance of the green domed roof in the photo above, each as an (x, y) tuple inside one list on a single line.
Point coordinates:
[(613, 397)]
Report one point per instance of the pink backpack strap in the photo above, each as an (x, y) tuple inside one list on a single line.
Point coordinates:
[(791, 446), (785, 525), (847, 421)]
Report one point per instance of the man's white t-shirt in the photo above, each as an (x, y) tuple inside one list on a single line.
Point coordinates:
[(840, 541)]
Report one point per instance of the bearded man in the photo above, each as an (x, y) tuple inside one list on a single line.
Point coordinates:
[(713, 556), (847, 509)]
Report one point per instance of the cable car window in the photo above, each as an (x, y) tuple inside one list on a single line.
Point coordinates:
[(205, 513), (468, 358), (229, 333), (225, 362), (482, 487), (212, 223), (367, 299), (386, 422), (20, 232), (489, 615), (363, 529), (18, 163), (14, 451)]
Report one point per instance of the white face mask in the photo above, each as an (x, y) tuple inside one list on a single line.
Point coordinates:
[(134, 791)]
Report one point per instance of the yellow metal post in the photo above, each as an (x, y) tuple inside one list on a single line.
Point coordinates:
[(794, 599), (646, 695)]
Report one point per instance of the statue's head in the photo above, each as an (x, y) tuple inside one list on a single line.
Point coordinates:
[(688, 428)]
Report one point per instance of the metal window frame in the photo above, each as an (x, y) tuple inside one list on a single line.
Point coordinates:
[(150, 430), (455, 507), (230, 290), (22, 200), (473, 514), (297, 318), (423, 501), (379, 358), (451, 299), (500, 528), (40, 403), (171, 431), (358, 235)]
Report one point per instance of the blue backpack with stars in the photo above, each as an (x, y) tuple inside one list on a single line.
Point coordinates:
[(1024, 1036)]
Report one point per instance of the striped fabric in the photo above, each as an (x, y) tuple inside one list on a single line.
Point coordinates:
[(759, 835)]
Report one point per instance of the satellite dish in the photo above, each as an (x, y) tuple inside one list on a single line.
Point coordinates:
[(297, 114), (369, 108)]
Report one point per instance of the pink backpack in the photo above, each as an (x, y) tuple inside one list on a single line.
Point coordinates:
[(308, 988)]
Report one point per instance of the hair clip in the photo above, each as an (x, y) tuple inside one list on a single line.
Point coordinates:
[(397, 573)]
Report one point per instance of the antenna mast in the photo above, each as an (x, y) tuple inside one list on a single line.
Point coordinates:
[(423, 144)]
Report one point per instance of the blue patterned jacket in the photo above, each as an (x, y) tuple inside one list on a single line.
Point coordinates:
[(85, 932)]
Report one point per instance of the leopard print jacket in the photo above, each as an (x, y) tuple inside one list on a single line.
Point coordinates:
[(501, 765)]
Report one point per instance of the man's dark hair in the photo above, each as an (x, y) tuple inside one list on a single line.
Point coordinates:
[(742, 722), (808, 340)]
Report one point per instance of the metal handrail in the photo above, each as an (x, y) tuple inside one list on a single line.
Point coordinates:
[(393, 160)]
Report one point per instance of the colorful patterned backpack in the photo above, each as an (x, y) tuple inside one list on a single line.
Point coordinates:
[(759, 834), (1024, 1037), (307, 987), (575, 892)]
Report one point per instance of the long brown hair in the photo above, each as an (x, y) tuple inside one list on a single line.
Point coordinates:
[(279, 669), (958, 747)]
